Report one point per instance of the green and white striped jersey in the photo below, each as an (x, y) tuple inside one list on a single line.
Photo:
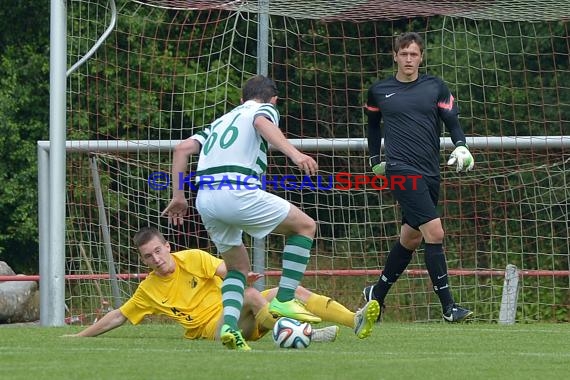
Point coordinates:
[(232, 149)]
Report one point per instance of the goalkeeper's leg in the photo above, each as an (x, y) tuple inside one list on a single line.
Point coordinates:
[(435, 261), (437, 268), (417, 203), (397, 261)]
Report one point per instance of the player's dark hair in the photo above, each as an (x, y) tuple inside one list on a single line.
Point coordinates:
[(406, 39), (260, 88), (146, 234)]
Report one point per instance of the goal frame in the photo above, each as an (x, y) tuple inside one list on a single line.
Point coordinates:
[(52, 259), (52, 160)]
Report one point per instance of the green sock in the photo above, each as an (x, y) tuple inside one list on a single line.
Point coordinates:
[(295, 258), (232, 297)]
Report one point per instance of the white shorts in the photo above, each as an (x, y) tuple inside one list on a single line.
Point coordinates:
[(227, 214)]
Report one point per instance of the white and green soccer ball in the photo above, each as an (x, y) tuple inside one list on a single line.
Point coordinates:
[(291, 333)]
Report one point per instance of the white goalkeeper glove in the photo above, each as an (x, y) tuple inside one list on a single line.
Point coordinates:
[(378, 168), (462, 159)]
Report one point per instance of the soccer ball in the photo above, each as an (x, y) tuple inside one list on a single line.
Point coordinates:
[(291, 333)]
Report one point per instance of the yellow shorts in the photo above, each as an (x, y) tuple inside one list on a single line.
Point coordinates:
[(208, 331)]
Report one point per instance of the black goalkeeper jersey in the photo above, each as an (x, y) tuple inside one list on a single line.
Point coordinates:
[(412, 114)]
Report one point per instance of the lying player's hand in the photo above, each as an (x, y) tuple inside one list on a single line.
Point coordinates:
[(252, 277), (462, 159)]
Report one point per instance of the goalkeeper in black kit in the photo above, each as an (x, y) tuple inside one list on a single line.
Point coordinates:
[(412, 107)]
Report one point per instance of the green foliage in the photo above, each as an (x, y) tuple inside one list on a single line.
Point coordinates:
[(505, 75), (24, 115)]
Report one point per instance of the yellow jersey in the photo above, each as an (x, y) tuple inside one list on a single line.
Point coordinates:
[(190, 296)]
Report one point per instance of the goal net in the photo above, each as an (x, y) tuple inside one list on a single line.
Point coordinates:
[(169, 68)]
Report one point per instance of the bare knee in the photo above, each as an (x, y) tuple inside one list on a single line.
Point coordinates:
[(435, 236), (432, 231), (308, 227), (411, 242), (410, 238), (302, 224), (298, 223)]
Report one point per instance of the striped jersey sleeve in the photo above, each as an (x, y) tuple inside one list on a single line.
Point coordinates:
[(202, 135), (269, 111)]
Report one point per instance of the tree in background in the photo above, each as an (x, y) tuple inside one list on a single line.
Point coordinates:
[(24, 119)]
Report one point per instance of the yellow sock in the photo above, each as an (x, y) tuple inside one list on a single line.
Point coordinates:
[(329, 310), (264, 318)]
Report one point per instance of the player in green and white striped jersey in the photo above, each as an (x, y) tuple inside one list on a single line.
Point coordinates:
[(234, 151)]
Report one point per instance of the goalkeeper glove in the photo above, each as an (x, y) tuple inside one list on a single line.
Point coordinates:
[(462, 159), (378, 168)]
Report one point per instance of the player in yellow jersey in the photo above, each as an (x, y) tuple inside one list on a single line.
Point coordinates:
[(186, 287)]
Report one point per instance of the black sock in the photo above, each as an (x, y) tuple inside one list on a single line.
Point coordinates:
[(398, 259), (437, 269)]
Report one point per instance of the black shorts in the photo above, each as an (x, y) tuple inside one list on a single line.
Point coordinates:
[(418, 195)]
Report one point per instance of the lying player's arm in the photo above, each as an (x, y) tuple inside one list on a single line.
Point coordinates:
[(273, 135), (111, 320), (221, 271)]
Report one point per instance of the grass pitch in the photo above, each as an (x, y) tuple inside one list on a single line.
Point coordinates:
[(394, 351)]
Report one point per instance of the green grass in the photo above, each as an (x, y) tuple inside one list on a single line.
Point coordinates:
[(394, 351)]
